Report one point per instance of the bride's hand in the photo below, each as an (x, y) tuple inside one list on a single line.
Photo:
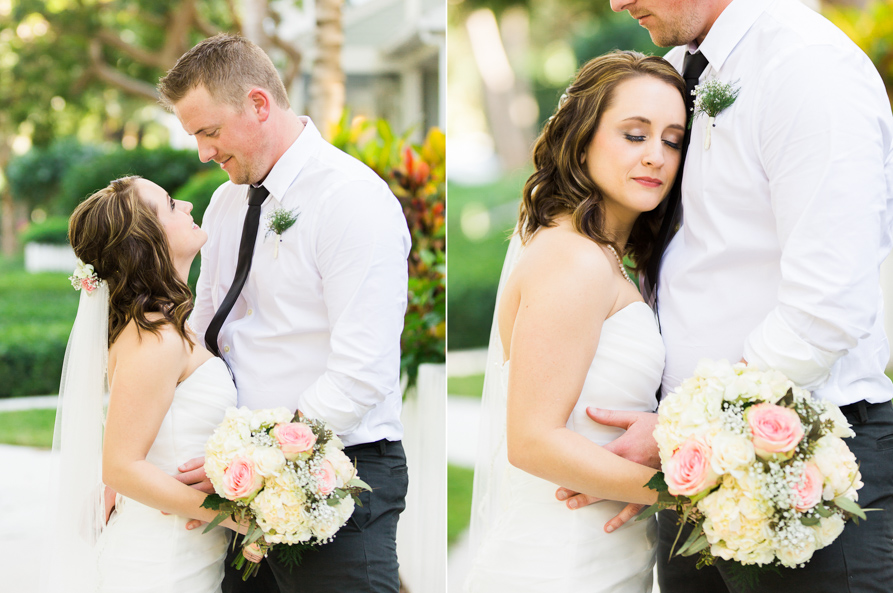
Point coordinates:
[(637, 443)]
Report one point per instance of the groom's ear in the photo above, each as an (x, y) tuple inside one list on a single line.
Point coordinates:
[(260, 103)]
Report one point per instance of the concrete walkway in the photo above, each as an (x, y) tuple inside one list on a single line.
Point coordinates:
[(26, 506)]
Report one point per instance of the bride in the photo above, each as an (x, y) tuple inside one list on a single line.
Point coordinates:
[(167, 394), (571, 330)]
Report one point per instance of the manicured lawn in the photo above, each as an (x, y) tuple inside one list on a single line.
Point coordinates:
[(32, 428), (458, 500), (471, 386)]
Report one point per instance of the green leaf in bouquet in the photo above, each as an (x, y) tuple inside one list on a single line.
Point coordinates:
[(214, 502), (823, 511), (809, 521), (701, 495), (665, 498), (682, 523), (657, 482), (747, 576), (696, 546), (336, 497), (695, 534), (358, 483), (220, 518), (650, 511), (291, 555), (849, 506)]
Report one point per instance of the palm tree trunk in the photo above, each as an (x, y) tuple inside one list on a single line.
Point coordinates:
[(327, 76)]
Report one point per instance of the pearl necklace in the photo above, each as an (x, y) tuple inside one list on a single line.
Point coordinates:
[(620, 263)]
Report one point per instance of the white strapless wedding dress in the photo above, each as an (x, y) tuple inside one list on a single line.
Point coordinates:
[(143, 551), (536, 544)]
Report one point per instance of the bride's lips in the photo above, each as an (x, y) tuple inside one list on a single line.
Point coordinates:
[(649, 181)]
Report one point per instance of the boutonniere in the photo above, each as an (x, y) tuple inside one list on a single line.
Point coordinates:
[(279, 221), (712, 98)]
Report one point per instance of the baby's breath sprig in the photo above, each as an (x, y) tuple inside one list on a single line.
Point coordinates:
[(712, 98), (279, 221)]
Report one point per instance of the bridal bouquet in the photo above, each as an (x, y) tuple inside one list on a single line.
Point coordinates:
[(286, 475), (756, 464)]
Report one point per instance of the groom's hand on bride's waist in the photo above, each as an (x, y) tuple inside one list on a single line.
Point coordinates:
[(637, 443), (192, 473), (576, 500)]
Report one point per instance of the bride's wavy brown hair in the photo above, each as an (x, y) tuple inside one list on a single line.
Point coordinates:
[(561, 183), (121, 236)]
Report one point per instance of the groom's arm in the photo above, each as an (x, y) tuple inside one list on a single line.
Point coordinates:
[(822, 143), (361, 248)]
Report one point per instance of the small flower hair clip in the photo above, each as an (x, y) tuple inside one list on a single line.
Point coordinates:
[(84, 277)]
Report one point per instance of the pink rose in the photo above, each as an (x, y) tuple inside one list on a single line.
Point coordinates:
[(296, 439), (809, 492), (688, 471), (326, 478), (776, 430), (240, 479)]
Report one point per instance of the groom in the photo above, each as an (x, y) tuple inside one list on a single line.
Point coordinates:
[(307, 315), (786, 221)]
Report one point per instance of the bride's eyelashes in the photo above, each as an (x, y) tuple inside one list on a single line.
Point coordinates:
[(632, 138)]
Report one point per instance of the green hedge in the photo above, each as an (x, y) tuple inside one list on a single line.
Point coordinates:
[(199, 190), (36, 315), (53, 230), (169, 168)]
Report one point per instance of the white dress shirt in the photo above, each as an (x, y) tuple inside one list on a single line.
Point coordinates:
[(316, 328), (787, 216)]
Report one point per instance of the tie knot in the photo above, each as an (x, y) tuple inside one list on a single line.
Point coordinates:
[(694, 65), (257, 195)]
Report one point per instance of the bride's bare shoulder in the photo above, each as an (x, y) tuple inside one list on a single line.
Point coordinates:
[(138, 343), (560, 251)]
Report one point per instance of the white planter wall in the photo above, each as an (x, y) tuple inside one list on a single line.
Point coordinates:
[(41, 257)]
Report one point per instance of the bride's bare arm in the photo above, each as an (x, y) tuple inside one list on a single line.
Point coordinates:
[(567, 289), (146, 371)]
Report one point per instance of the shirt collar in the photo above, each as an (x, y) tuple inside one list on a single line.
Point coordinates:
[(292, 161), (729, 29)]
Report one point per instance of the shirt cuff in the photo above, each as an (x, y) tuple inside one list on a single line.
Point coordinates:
[(327, 400), (774, 345)]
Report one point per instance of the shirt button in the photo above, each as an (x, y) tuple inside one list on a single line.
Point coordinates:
[(226, 348), (250, 311)]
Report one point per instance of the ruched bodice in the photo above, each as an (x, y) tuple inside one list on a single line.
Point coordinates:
[(536, 544), (143, 551)]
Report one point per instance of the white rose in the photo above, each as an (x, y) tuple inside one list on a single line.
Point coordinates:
[(268, 461), (838, 466), (344, 468), (827, 530), (731, 452), (842, 427)]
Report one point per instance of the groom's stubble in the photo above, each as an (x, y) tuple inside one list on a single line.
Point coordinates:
[(673, 22)]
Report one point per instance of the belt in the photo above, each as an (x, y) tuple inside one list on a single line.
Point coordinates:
[(861, 408), (381, 445)]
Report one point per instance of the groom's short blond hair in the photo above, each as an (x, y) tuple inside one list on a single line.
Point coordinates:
[(228, 66)]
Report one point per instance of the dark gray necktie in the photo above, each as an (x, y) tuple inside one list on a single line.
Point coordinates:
[(692, 68), (256, 197)]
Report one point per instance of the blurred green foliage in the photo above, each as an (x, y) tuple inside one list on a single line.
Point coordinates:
[(417, 175), (52, 231), (36, 315), (459, 488), (871, 28), (475, 264), (28, 428), (199, 190)]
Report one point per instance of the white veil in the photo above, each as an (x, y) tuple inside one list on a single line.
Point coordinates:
[(489, 497), (76, 493)]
